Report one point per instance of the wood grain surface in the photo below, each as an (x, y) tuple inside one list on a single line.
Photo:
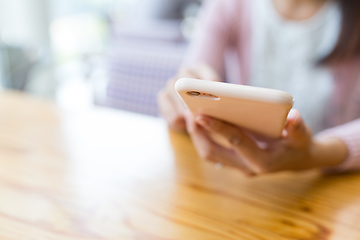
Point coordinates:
[(104, 174)]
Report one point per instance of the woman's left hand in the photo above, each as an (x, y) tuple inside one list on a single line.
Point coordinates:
[(296, 149)]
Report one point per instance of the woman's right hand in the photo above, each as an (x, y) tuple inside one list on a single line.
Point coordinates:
[(171, 106)]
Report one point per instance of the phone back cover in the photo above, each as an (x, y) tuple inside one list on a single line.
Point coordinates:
[(257, 109)]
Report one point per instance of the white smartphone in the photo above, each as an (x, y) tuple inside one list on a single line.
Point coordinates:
[(260, 110)]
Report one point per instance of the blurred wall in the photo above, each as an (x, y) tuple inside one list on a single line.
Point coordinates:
[(24, 41), (24, 23)]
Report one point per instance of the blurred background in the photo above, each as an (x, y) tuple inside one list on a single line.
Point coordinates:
[(81, 53)]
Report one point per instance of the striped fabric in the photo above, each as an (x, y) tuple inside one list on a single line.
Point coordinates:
[(345, 132), (140, 63)]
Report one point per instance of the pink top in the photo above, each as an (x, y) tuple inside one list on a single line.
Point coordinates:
[(226, 24)]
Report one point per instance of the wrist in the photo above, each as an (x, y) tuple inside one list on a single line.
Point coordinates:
[(328, 152)]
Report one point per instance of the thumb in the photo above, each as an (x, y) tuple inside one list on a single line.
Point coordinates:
[(296, 129), (207, 73)]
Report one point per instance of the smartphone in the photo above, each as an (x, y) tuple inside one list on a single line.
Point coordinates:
[(261, 110)]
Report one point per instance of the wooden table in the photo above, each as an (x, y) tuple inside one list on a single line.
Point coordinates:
[(104, 174)]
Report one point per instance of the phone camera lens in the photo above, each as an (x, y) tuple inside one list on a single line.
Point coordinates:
[(194, 93)]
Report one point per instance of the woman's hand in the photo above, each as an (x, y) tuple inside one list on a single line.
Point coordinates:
[(170, 105), (296, 149)]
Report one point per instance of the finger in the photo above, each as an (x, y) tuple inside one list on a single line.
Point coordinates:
[(209, 150), (257, 137), (233, 159), (187, 73), (241, 142), (293, 119), (297, 131), (215, 153), (171, 114), (178, 125), (170, 95), (207, 73), (174, 97)]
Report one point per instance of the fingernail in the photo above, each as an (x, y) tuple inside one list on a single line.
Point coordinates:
[(203, 121), (284, 133), (296, 121), (295, 118)]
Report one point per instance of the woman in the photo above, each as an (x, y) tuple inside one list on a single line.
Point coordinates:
[(309, 48)]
